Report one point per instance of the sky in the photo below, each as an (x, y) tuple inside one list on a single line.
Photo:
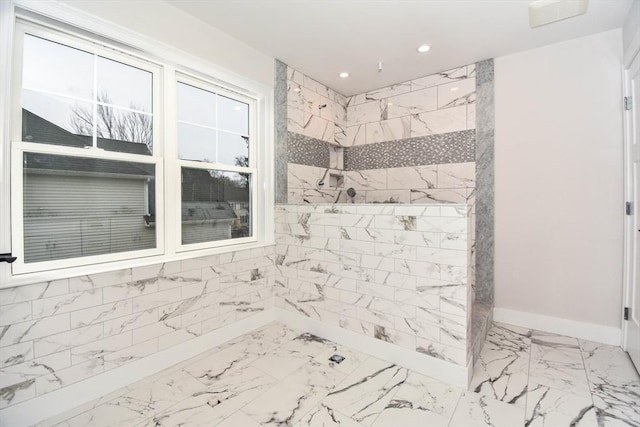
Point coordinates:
[(58, 79)]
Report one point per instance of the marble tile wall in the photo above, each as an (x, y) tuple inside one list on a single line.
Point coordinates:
[(394, 141), (57, 333), (444, 183), (397, 273), (314, 110), (436, 104)]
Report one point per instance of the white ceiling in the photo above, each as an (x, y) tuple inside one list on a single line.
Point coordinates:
[(324, 37)]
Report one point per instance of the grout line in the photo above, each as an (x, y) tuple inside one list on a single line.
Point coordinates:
[(586, 372), (526, 401), (455, 408)]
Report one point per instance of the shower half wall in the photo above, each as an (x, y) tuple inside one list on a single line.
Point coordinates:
[(398, 273), (425, 141)]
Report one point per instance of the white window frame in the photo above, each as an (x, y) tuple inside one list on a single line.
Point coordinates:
[(19, 148), (183, 77), (85, 28)]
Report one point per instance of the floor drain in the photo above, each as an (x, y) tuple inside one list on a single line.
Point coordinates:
[(336, 358)]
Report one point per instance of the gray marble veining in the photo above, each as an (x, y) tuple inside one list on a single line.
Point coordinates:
[(277, 376), (484, 192), (281, 150)]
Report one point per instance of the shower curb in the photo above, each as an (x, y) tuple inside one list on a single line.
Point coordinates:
[(447, 372)]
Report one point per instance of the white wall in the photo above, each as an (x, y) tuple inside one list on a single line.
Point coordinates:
[(166, 24), (559, 188), (631, 28)]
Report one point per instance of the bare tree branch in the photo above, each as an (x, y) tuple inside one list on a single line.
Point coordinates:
[(120, 125)]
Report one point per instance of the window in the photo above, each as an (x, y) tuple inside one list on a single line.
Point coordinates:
[(88, 174), (216, 160), (101, 135)]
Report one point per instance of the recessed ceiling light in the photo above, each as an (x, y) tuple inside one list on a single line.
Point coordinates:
[(424, 48), (344, 74), (455, 88), (297, 89)]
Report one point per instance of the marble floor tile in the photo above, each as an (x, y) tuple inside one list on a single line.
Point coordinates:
[(607, 364), (365, 393), (281, 362), (234, 390), (277, 376), (197, 410), (292, 355), (288, 401), (474, 410), (547, 407), (556, 362), (209, 369), (617, 404), (323, 416), (352, 358), (614, 383), (276, 333), (140, 403), (501, 371), (238, 419), (420, 401)]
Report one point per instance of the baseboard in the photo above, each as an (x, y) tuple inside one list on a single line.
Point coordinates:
[(556, 325), (49, 405), (447, 372)]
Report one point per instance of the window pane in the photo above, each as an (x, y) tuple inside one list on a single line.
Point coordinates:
[(76, 207), (233, 115), (196, 143), (215, 205), (56, 120), (233, 149), (53, 67), (124, 86), (124, 131), (196, 105)]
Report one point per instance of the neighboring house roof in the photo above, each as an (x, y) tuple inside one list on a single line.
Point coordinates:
[(207, 211), (39, 130), (85, 165), (199, 186)]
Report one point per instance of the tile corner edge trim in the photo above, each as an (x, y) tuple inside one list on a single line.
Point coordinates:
[(49, 405), (447, 372)]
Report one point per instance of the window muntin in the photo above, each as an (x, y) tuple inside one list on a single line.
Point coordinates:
[(58, 106), (75, 207), (51, 67), (212, 128), (85, 180), (126, 86), (217, 173), (86, 94)]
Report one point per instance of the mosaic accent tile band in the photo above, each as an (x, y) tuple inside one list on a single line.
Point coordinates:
[(453, 147), (305, 150)]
